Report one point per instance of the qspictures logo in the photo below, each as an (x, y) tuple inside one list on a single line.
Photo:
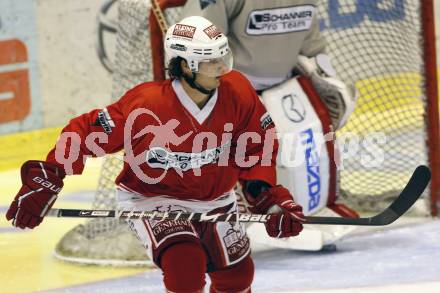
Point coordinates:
[(167, 148), (280, 20)]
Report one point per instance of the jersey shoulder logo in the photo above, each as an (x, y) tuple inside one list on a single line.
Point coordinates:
[(280, 20), (266, 121), (105, 121)]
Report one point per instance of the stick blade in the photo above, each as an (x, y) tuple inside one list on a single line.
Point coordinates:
[(409, 195)]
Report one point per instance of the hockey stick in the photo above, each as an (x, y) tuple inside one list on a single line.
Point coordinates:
[(412, 191)]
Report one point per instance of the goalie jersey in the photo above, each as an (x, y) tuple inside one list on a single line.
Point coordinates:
[(171, 146), (278, 30)]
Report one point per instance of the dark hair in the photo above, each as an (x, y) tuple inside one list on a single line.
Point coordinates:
[(175, 67)]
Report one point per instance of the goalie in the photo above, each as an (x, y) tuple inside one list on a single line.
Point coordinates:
[(277, 45)]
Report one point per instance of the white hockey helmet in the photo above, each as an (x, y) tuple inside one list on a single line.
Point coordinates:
[(201, 44)]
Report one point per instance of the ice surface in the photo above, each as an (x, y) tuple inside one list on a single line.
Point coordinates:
[(409, 254)]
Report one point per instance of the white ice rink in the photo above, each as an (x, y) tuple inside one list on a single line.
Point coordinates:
[(403, 259)]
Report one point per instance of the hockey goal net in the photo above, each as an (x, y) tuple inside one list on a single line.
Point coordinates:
[(386, 48)]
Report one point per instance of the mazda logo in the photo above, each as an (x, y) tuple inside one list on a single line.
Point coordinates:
[(293, 108)]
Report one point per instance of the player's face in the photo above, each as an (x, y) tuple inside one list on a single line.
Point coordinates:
[(207, 79), (216, 67), (208, 82), (210, 71)]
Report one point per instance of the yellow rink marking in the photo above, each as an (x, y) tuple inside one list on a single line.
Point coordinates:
[(382, 93), (19, 147), (27, 262), (395, 99)]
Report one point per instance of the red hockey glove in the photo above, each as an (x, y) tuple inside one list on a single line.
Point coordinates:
[(286, 216), (42, 182)]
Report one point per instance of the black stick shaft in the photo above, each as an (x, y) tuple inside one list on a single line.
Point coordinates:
[(409, 195), (196, 217)]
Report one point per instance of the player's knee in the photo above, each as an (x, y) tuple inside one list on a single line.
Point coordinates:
[(236, 279), (245, 274), (184, 266)]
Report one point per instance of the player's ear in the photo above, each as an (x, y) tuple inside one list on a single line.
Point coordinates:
[(175, 67), (185, 67)]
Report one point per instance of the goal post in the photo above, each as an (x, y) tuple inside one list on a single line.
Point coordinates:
[(431, 85), (157, 33), (386, 48)]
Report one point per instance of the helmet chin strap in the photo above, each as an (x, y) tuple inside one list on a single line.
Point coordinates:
[(191, 80)]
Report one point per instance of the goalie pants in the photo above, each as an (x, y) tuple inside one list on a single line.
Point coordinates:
[(185, 250)]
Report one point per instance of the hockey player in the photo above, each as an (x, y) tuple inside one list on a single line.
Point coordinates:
[(274, 43), (187, 141)]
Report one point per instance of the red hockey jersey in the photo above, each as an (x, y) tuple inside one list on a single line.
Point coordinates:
[(171, 147)]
